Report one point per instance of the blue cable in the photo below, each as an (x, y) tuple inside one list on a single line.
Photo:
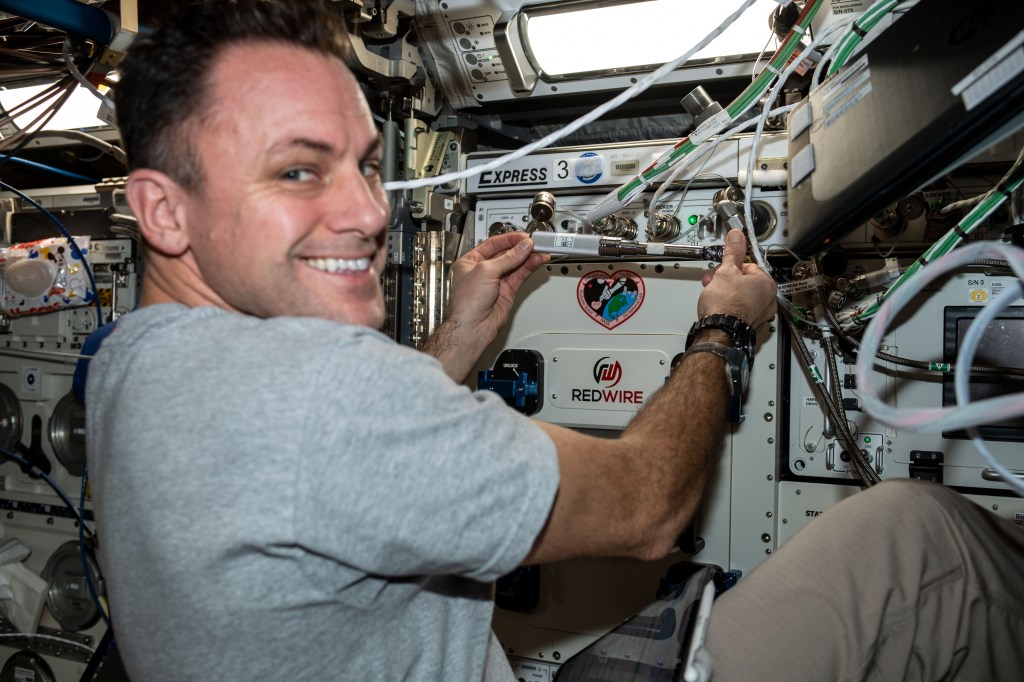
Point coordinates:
[(71, 240), (43, 166), (79, 516), (53, 484), (81, 548)]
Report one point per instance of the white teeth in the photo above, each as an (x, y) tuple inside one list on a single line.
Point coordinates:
[(338, 264)]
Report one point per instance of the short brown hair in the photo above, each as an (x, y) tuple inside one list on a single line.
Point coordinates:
[(164, 81)]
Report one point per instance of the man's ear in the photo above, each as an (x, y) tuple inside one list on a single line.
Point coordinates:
[(158, 203)]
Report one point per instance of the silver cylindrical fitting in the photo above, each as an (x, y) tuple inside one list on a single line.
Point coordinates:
[(663, 227), (543, 207), (502, 228), (617, 226), (567, 243), (698, 103)]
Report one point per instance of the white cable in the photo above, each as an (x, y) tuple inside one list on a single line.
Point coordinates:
[(703, 150), (879, 6), (964, 360), (826, 59), (706, 148), (755, 247), (624, 96), (988, 411), (963, 203), (73, 70), (88, 139), (760, 55)]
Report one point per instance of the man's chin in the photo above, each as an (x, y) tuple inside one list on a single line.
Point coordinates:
[(370, 316)]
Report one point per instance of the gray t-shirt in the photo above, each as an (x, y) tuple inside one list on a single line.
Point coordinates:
[(296, 499)]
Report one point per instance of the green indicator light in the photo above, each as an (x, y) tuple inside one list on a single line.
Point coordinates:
[(867, 439), (692, 220)]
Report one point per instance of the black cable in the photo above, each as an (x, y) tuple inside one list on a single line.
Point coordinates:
[(946, 367), (36, 471), (863, 470), (50, 112), (34, 101), (79, 516)]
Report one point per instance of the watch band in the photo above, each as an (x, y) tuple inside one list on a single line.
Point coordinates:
[(736, 374), (742, 335)]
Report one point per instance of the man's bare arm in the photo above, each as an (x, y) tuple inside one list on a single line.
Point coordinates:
[(633, 495)]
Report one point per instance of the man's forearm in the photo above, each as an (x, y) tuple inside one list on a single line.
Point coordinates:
[(631, 496), (680, 433), (451, 347)]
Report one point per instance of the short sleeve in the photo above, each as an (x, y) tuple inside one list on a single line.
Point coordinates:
[(408, 473)]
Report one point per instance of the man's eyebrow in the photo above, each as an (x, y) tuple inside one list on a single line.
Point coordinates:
[(375, 148), (318, 146)]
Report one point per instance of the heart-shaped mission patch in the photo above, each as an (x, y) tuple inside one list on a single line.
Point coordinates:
[(610, 298)]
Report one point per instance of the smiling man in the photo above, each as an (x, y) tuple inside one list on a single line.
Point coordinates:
[(289, 216), (282, 492), (267, 466)]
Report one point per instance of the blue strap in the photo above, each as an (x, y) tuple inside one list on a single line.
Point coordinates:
[(89, 348)]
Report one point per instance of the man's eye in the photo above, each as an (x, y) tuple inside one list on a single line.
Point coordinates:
[(299, 174), (370, 168)]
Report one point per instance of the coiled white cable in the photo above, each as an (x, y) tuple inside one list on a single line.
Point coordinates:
[(964, 415)]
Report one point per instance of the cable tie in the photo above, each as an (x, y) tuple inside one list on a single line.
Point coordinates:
[(769, 67), (856, 29), (1004, 190), (922, 260), (799, 29), (960, 231)]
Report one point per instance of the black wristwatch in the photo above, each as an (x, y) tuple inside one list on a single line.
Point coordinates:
[(737, 373), (742, 335)]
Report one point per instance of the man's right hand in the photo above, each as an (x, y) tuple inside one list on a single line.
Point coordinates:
[(736, 288)]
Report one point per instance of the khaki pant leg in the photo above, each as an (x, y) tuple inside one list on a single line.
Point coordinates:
[(905, 581)]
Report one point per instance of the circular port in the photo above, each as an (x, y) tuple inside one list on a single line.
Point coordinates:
[(764, 218), (663, 227)]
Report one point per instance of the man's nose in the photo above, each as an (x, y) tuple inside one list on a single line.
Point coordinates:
[(358, 203)]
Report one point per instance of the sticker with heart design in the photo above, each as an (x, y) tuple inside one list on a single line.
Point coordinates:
[(610, 298)]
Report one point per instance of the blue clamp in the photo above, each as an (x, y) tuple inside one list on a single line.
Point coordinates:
[(517, 389)]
